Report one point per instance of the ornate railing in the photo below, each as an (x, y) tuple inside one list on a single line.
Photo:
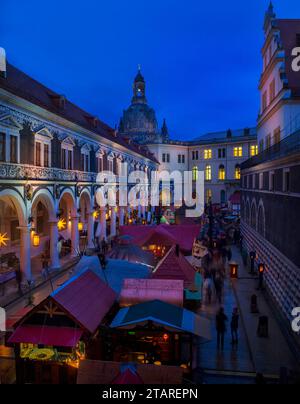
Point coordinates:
[(288, 146), (28, 172)]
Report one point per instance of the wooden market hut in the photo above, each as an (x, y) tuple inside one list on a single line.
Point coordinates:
[(65, 327), (159, 333)]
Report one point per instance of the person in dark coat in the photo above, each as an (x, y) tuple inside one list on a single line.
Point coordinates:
[(221, 320), (19, 279), (235, 326)]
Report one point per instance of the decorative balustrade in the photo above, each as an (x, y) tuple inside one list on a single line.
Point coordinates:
[(28, 172)]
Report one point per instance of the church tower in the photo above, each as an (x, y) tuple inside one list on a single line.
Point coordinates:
[(139, 89)]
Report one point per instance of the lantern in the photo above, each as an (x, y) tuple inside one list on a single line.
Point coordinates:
[(95, 215), (261, 268), (165, 337), (36, 240), (80, 226), (234, 270)]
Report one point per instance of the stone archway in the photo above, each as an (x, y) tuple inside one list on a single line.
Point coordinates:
[(69, 220), (15, 227)]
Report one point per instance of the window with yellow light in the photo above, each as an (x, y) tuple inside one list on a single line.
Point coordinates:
[(253, 150), (222, 173), (208, 173), (238, 151), (207, 154)]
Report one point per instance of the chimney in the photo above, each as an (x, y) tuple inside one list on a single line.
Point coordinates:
[(2, 63), (246, 132), (229, 133)]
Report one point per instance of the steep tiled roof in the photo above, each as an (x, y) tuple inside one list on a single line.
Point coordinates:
[(86, 298), (23, 86)]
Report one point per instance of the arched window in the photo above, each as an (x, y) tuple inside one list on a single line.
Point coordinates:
[(237, 172), (195, 173), (208, 173), (253, 216), (208, 195), (222, 173)]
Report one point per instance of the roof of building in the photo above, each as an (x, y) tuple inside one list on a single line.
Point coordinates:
[(99, 372), (167, 235), (133, 254), (45, 335), (115, 273), (86, 298), (23, 86), (175, 266), (226, 135), (128, 375), (165, 314)]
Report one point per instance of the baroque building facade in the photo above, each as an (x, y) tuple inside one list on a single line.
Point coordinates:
[(50, 154), (271, 180), (219, 155)]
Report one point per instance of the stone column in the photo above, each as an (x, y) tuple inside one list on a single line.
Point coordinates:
[(90, 231), (74, 236), (25, 253), (54, 255), (113, 222), (103, 223)]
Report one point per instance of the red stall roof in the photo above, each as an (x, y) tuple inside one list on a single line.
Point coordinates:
[(45, 335), (174, 266), (86, 298), (128, 377), (184, 235)]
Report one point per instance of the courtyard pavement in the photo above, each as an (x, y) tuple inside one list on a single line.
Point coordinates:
[(253, 354)]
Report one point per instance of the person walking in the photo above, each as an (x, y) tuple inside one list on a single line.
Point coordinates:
[(219, 287), (221, 320), (19, 279), (235, 326)]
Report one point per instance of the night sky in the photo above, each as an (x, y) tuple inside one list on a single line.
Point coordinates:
[(201, 59)]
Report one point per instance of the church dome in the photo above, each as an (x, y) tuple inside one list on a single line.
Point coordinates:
[(140, 118)]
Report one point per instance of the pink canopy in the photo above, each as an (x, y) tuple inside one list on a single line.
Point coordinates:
[(167, 235)]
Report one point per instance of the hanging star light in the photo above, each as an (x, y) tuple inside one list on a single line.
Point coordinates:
[(3, 239), (61, 224)]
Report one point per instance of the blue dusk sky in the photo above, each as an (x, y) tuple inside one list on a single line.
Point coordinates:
[(201, 59)]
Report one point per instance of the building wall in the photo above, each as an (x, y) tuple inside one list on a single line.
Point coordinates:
[(221, 190)]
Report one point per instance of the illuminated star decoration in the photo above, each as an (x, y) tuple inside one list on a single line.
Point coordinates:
[(3, 239), (61, 224)]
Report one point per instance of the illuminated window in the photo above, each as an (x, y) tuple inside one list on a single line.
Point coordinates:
[(195, 173), (207, 154), (208, 173), (208, 195), (237, 173), (238, 151), (253, 150), (222, 173)]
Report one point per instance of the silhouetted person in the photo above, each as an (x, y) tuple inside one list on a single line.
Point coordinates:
[(221, 319), (235, 326), (19, 279), (219, 287)]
